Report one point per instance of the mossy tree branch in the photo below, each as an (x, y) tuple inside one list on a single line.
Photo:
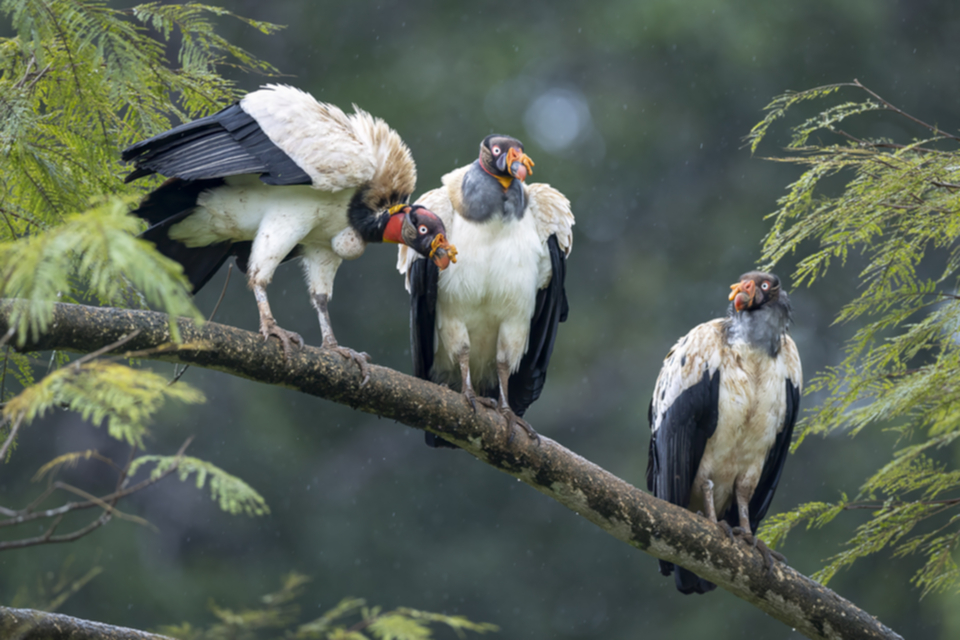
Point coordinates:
[(625, 512), (27, 624)]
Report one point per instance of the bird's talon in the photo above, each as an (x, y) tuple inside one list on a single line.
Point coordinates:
[(513, 420), (725, 527), (471, 398), (769, 555), (285, 337), (360, 358)]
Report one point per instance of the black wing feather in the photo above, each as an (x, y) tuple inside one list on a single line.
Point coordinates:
[(173, 201), (424, 276), (676, 449), (227, 143), (773, 467), (551, 309)]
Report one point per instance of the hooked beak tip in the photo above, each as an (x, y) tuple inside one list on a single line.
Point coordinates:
[(442, 252)]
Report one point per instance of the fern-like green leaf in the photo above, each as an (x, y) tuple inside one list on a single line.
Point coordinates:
[(900, 211), (126, 398), (97, 248), (232, 494)]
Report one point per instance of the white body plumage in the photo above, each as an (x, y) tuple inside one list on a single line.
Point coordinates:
[(486, 300)]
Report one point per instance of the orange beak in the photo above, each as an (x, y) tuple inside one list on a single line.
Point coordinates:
[(742, 294), (442, 252), (519, 164)]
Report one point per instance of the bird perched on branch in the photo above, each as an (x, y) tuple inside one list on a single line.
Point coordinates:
[(279, 175), (722, 416), (487, 325)]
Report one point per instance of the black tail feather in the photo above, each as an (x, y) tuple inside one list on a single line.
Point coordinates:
[(687, 581), (172, 202)]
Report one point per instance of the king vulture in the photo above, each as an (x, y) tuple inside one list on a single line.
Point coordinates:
[(487, 325), (722, 415), (279, 175)]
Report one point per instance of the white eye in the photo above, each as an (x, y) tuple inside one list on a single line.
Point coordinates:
[(496, 151), (423, 229), (765, 286)]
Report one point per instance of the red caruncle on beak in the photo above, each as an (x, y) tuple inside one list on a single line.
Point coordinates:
[(743, 294)]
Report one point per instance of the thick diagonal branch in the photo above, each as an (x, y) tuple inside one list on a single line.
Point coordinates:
[(633, 516), (27, 624)]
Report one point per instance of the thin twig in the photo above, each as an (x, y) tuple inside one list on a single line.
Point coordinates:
[(881, 145), (48, 538), (9, 440), (945, 185), (179, 374), (109, 507), (891, 107), (27, 515), (3, 374), (110, 347), (876, 507), (122, 478)]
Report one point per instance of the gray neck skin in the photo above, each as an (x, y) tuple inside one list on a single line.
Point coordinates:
[(484, 197), (762, 328)]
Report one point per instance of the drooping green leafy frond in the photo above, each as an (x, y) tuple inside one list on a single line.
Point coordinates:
[(98, 249), (815, 514), (68, 460), (350, 619), (202, 47), (79, 82), (899, 212), (232, 494), (126, 398), (778, 109)]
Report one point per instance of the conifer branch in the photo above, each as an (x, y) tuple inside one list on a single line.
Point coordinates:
[(630, 515)]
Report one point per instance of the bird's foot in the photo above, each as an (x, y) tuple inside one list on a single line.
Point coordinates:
[(513, 420), (269, 327), (768, 554), (361, 359), (726, 528), (473, 399)]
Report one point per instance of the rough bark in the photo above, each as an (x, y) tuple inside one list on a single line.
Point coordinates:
[(27, 624), (625, 512)]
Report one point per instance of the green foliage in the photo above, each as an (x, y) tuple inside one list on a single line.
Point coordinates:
[(232, 494), (350, 619), (125, 397), (898, 212), (79, 82), (97, 249)]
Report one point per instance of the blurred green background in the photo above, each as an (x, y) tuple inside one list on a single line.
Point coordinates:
[(636, 111)]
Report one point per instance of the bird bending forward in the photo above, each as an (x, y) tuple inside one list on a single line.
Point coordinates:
[(722, 415), (487, 325), (276, 176)]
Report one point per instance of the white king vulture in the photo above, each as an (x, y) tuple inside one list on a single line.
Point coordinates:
[(722, 415), (487, 325), (279, 175)]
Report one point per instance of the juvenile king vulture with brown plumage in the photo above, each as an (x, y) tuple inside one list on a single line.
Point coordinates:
[(487, 325), (722, 415), (279, 175)]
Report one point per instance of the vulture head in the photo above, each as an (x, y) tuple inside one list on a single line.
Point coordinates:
[(423, 231), (503, 158), (754, 290), (759, 310)]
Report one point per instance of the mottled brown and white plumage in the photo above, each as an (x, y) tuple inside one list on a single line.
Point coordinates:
[(723, 412), (280, 175), (487, 325)]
